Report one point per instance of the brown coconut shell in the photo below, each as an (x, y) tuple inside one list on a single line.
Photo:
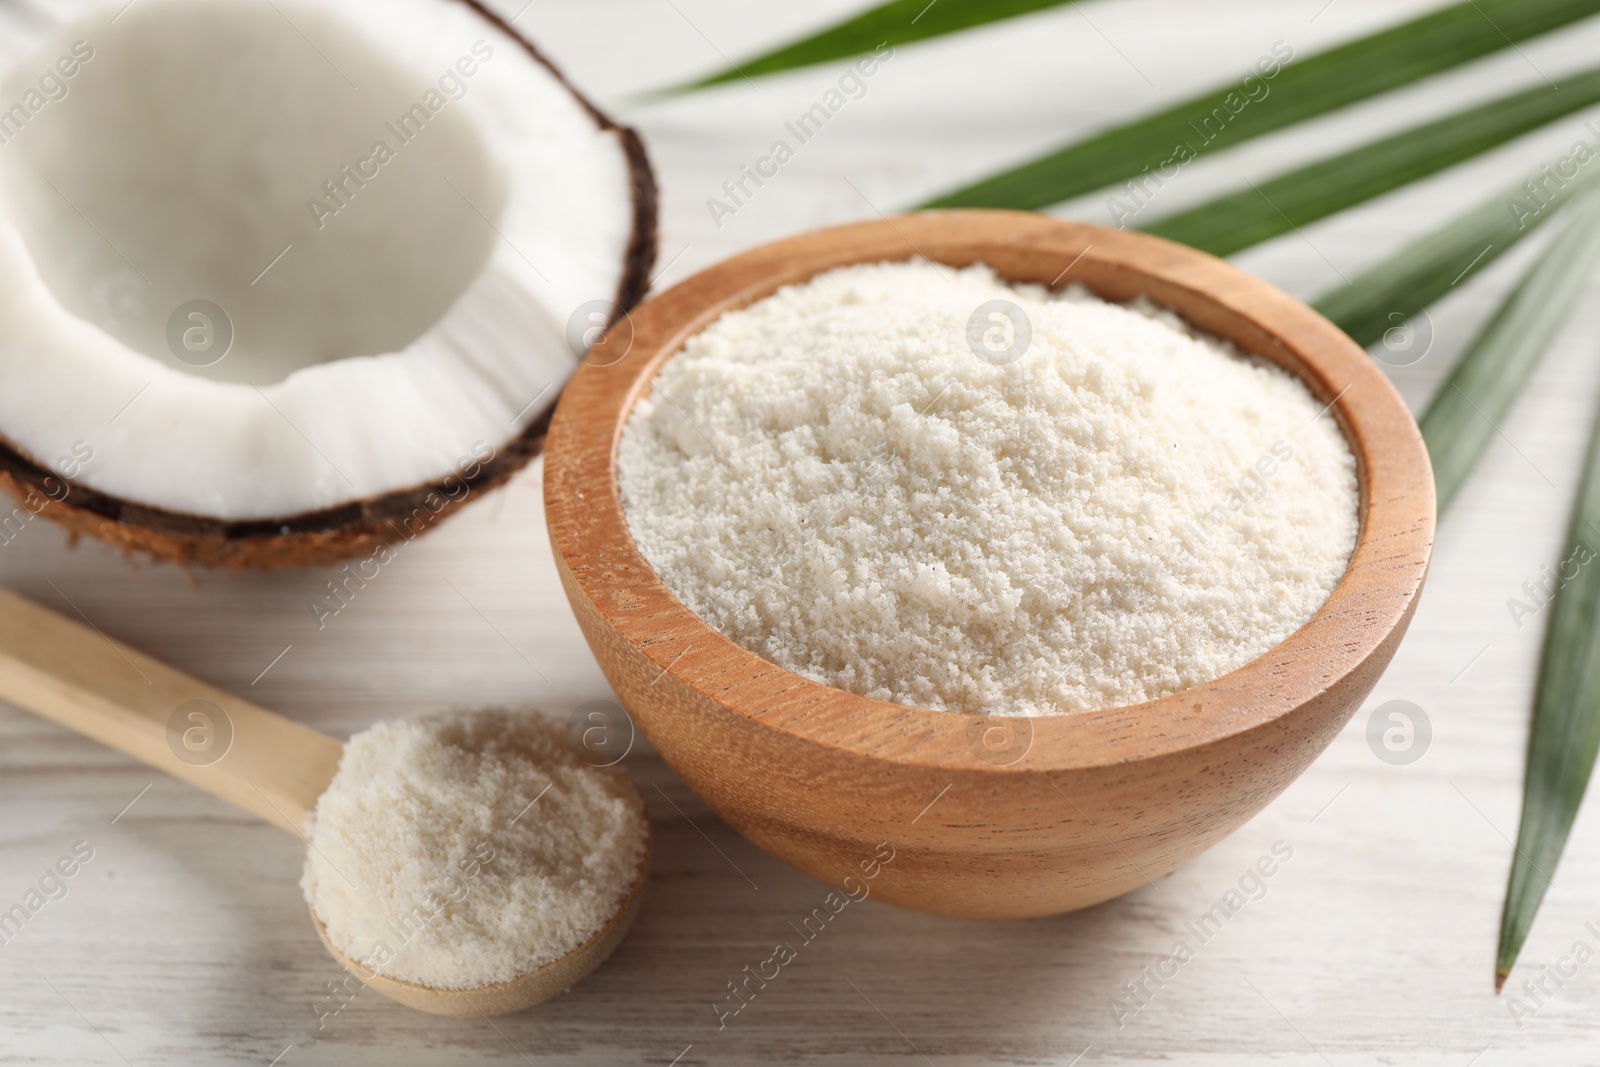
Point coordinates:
[(360, 527)]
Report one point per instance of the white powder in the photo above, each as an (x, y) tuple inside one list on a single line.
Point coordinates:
[(835, 480), (461, 850)]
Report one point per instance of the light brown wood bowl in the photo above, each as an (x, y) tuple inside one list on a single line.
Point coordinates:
[(989, 818)]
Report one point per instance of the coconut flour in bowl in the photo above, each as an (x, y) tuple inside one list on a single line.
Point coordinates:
[(852, 479)]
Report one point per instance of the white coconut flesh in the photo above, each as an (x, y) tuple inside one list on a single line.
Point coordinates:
[(384, 326)]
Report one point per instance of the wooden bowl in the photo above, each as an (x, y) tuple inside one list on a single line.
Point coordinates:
[(988, 817)]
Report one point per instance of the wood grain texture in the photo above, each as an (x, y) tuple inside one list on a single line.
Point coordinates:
[(818, 776), (185, 940)]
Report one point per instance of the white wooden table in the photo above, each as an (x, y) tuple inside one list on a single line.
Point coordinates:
[(185, 940)]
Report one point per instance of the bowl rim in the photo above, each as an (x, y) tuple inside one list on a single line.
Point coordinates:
[(1364, 615)]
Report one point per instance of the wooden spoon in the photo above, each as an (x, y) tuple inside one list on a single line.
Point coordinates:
[(264, 763)]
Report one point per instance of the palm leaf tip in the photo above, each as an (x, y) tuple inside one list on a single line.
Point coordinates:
[(1564, 737)]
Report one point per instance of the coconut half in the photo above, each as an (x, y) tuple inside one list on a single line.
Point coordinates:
[(283, 280)]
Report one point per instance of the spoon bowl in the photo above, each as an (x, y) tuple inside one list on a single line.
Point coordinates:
[(523, 991)]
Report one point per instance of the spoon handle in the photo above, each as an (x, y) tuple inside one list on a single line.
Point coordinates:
[(78, 677)]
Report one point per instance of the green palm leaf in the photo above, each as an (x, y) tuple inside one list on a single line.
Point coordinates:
[(1462, 418), (1302, 89), (895, 23), (1566, 723), (1390, 293), (1319, 189), (1458, 426)]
